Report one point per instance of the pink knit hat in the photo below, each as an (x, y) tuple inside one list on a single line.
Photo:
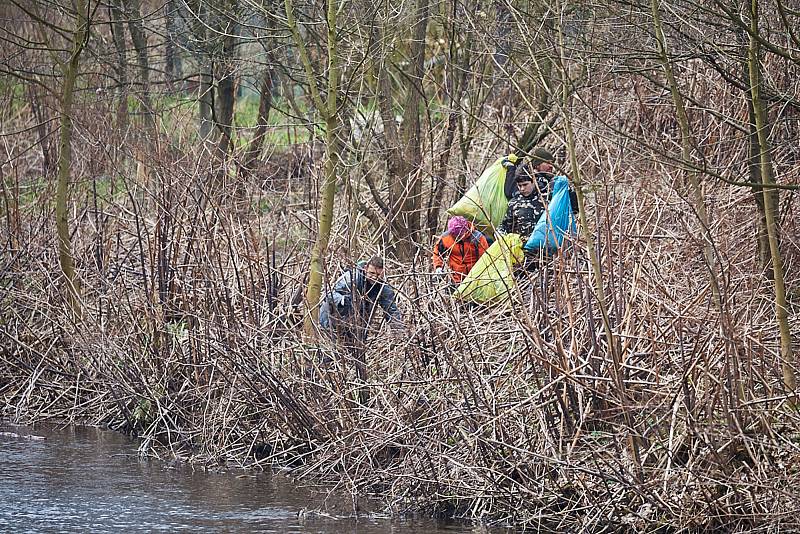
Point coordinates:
[(458, 226)]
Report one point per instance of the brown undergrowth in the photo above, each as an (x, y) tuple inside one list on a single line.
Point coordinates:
[(191, 339)]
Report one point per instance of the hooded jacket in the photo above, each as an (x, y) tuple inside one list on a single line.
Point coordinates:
[(459, 254)]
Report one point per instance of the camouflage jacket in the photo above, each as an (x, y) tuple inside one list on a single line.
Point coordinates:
[(524, 212)]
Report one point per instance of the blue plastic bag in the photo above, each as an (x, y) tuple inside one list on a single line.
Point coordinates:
[(556, 221)]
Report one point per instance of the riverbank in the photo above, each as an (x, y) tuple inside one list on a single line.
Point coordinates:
[(507, 428)]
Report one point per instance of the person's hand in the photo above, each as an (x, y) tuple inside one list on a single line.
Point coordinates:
[(508, 162), (341, 302), (440, 274)]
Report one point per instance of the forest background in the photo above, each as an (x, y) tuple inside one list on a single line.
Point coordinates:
[(181, 179)]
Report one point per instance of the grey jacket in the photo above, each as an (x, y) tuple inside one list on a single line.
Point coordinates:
[(353, 294)]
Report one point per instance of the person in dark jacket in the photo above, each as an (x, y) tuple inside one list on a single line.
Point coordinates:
[(541, 163), (347, 312), (532, 184), (355, 299)]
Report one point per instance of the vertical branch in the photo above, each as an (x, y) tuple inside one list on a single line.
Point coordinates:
[(456, 72), (770, 207), (410, 209), (205, 87), (602, 303), (70, 72), (172, 64), (121, 67), (328, 109), (226, 94), (686, 149), (139, 37), (264, 107), (754, 173)]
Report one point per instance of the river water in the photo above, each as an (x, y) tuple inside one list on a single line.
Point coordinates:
[(82, 479)]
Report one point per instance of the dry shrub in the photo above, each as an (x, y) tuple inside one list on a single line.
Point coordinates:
[(511, 414)]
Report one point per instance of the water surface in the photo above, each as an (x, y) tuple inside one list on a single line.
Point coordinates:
[(85, 479)]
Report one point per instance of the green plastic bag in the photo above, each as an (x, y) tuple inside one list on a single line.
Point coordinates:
[(485, 204), (491, 279)]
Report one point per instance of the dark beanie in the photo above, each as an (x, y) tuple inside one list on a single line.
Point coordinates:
[(540, 155)]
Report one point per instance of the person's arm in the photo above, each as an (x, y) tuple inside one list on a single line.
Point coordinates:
[(438, 260), (510, 186), (510, 165), (573, 201), (342, 294), (386, 300), (508, 221)]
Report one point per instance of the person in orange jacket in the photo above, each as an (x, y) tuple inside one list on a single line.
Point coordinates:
[(458, 249)]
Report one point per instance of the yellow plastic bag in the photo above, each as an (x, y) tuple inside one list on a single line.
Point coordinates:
[(491, 279), (485, 204)]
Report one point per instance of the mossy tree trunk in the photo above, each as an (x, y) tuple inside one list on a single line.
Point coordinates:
[(328, 109), (754, 173)]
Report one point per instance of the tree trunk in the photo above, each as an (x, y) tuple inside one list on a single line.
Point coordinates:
[(396, 167), (264, 108), (120, 68), (226, 94), (319, 253), (329, 109), (754, 165), (205, 99), (205, 86), (411, 134), (139, 37), (770, 206), (456, 77), (435, 201), (754, 173), (404, 158), (172, 62), (70, 72)]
